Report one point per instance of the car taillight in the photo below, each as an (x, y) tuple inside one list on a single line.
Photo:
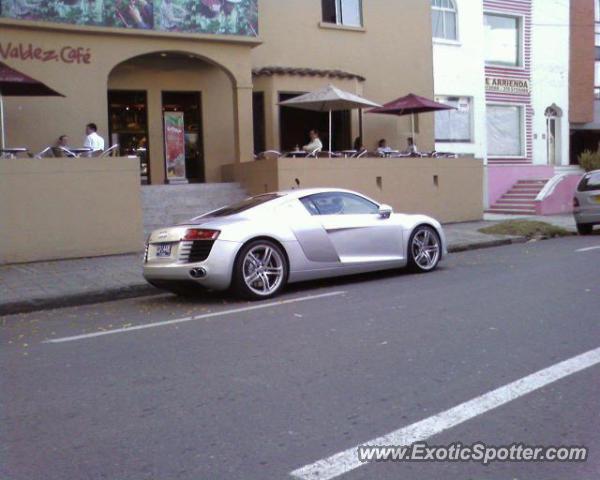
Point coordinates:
[(201, 234), (575, 202)]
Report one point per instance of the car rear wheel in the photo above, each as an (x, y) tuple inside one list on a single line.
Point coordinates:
[(424, 249), (260, 270), (584, 228)]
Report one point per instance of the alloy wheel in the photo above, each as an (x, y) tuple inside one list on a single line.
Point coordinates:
[(263, 270), (425, 249)]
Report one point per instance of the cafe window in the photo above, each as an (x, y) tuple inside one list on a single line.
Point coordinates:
[(503, 40), (444, 19), (342, 12), (454, 125), (504, 130)]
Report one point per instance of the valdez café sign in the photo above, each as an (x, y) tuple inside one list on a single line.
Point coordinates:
[(507, 85), (66, 54)]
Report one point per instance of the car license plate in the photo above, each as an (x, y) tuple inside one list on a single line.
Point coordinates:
[(597, 198), (163, 250)]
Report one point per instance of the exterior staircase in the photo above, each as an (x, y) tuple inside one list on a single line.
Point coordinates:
[(165, 205), (520, 199)]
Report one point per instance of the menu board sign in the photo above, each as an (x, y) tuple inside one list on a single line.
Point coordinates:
[(174, 146), (225, 17)]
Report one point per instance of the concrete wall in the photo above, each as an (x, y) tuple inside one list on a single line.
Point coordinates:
[(582, 55), (459, 71), (392, 51), (559, 199), (67, 208), (448, 189), (550, 76)]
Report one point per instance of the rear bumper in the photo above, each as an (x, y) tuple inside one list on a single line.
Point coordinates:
[(589, 217), (218, 267)]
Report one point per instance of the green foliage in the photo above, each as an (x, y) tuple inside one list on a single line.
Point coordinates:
[(526, 228), (230, 18), (590, 160)]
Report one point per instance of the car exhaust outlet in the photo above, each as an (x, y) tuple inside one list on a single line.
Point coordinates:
[(198, 272)]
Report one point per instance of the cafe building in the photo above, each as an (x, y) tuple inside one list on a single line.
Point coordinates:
[(192, 89), (141, 69)]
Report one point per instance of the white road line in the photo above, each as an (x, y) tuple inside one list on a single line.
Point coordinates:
[(345, 461), (587, 249), (221, 313)]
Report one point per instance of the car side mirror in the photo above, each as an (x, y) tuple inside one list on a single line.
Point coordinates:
[(385, 211)]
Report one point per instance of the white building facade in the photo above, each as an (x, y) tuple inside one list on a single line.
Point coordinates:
[(504, 65)]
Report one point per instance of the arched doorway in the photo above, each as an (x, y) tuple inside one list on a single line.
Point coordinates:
[(175, 111), (553, 116)]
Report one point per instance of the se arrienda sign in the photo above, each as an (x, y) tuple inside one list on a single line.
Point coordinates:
[(66, 54), (507, 85)]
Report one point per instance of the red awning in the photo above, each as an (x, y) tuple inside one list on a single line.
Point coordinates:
[(16, 84), (410, 104)]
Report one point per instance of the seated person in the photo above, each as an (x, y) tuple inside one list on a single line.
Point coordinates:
[(411, 148), (358, 145), (382, 148), (315, 142), (62, 142)]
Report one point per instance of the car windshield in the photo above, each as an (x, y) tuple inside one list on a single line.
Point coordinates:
[(591, 181), (244, 205)]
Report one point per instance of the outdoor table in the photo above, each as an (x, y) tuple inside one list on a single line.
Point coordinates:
[(80, 150), (348, 153), (12, 152), (297, 153), (389, 153)]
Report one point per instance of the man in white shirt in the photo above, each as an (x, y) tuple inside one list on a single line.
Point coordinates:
[(92, 139), (314, 144)]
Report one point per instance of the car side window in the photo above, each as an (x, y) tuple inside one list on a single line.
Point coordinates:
[(309, 205), (338, 203)]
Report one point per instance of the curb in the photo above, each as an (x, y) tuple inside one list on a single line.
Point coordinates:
[(76, 299), (498, 242), (146, 290)]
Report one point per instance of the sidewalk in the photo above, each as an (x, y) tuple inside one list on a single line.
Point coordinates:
[(41, 285)]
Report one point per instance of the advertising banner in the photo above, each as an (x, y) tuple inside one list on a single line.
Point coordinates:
[(174, 146), (226, 17)]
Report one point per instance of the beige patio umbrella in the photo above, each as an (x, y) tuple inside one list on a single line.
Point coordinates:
[(329, 99)]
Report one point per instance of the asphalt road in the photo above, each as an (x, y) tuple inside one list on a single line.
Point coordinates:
[(258, 393)]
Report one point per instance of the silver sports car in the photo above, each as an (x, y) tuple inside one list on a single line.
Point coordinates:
[(259, 245)]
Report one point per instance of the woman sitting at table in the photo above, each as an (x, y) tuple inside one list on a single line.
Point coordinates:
[(315, 143), (382, 148)]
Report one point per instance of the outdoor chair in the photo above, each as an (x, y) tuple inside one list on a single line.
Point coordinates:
[(67, 152), (269, 155), (327, 154), (360, 153), (109, 151), (43, 153), (314, 153)]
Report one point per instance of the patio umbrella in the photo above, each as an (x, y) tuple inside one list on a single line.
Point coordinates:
[(16, 84), (329, 99), (411, 104)]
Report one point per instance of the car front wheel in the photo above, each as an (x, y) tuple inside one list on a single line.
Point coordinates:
[(584, 228), (424, 249), (260, 270)]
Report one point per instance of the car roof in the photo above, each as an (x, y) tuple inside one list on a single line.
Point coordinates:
[(302, 192)]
